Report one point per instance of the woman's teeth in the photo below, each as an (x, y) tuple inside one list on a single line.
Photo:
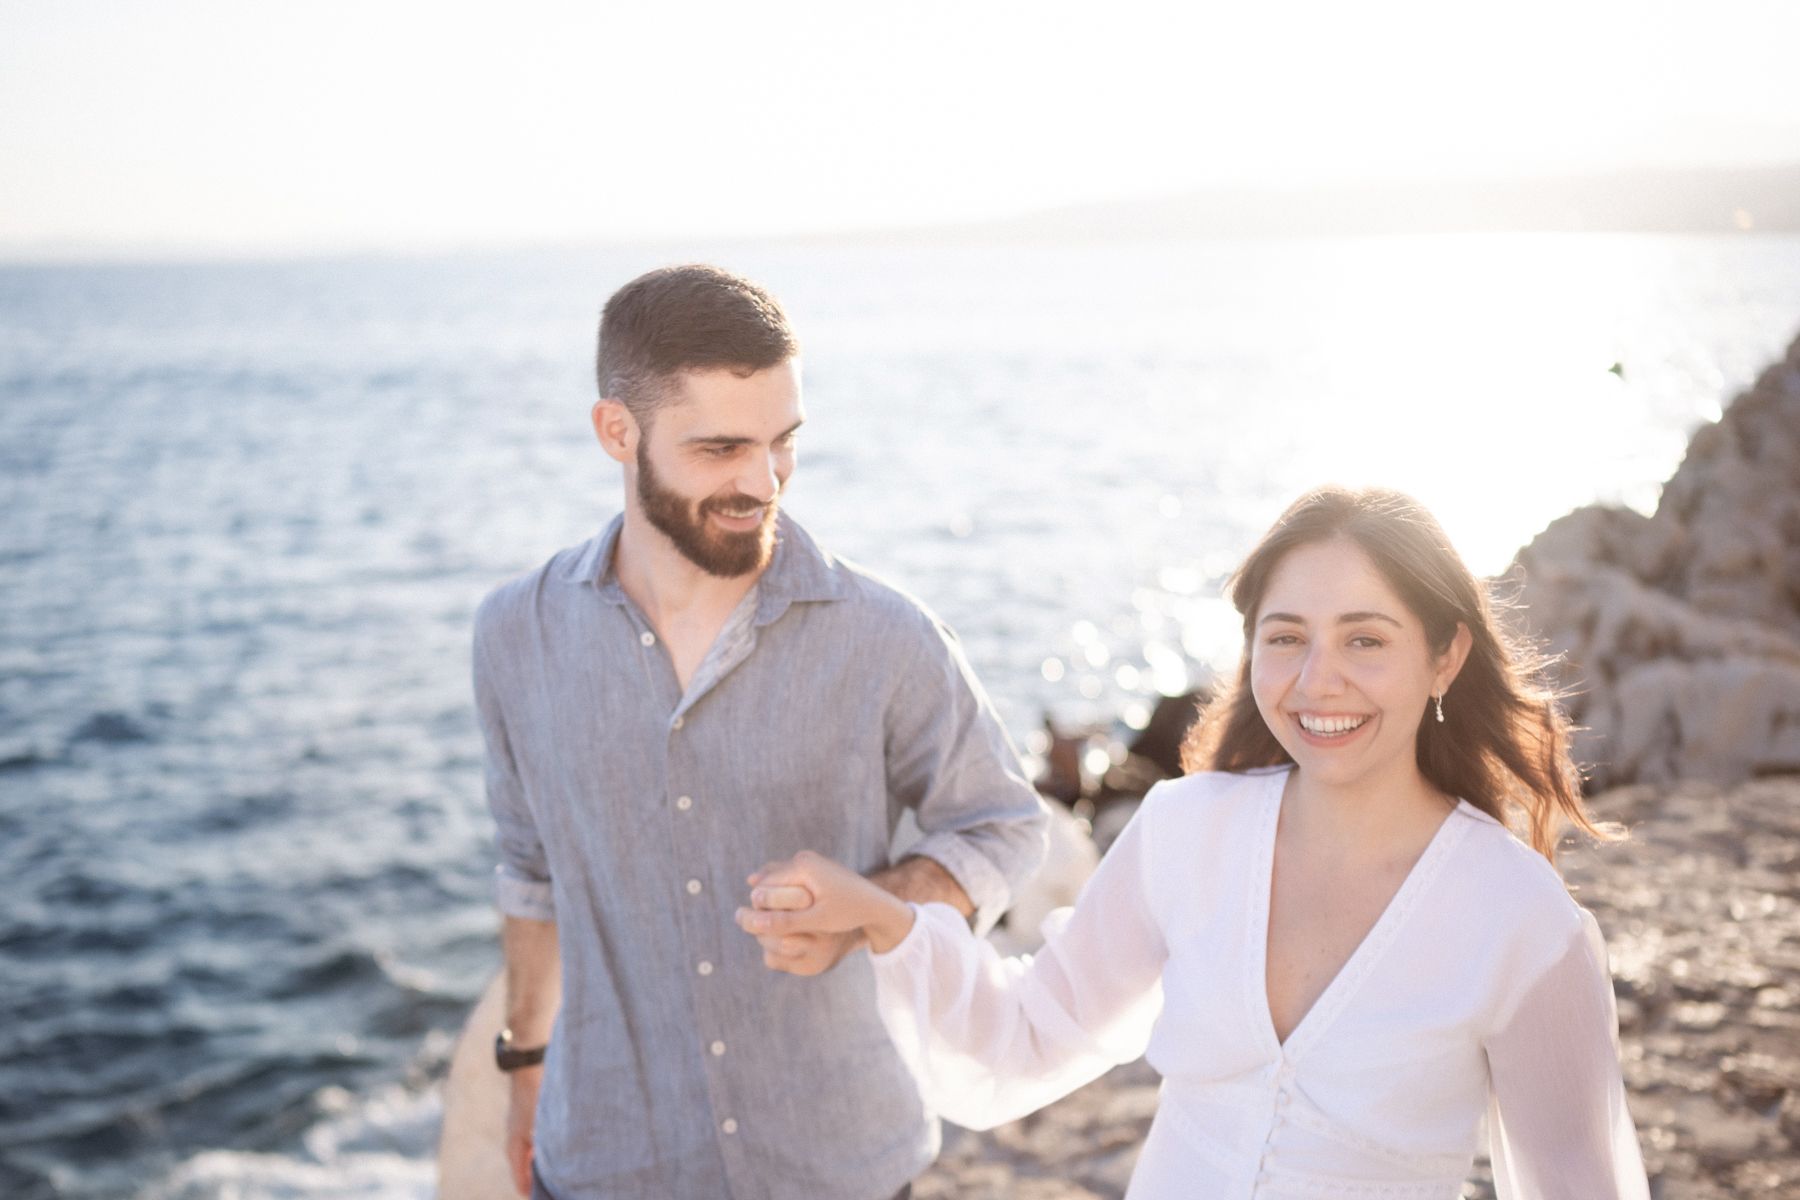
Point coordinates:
[(1329, 725)]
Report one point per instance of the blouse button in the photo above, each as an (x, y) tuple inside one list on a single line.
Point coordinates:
[(684, 803), (729, 1125), (693, 887), (705, 968), (678, 722), (647, 638)]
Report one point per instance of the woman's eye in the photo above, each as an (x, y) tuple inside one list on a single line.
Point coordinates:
[(1282, 639), (1367, 643)]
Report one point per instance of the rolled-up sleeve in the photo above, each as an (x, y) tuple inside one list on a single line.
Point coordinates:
[(950, 761), (522, 878)]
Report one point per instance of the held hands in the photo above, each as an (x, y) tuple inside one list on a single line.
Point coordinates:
[(810, 911)]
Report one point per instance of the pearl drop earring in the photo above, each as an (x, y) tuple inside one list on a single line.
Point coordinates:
[(1439, 698)]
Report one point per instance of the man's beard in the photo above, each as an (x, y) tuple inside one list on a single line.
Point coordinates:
[(717, 552)]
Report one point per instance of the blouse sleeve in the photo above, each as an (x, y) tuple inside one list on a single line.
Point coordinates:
[(1558, 1127), (991, 1039)]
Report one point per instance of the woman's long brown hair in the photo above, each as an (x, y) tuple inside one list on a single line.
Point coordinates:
[(1505, 746)]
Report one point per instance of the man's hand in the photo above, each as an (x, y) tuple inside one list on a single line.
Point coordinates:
[(533, 995), (521, 1118), (806, 953)]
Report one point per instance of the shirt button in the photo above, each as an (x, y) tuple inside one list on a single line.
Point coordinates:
[(693, 886), (729, 1125), (684, 802), (648, 638), (717, 1048), (705, 968), (678, 722)]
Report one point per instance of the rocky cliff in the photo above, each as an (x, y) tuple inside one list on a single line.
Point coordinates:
[(1680, 632)]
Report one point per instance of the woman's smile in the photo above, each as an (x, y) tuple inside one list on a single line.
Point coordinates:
[(1325, 729)]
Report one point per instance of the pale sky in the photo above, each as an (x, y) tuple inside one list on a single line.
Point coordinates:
[(225, 127)]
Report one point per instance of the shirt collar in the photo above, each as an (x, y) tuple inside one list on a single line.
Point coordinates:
[(799, 572)]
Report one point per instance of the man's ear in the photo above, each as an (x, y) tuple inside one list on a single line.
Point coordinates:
[(617, 429)]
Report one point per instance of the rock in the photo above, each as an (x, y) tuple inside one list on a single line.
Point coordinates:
[(1728, 718), (1110, 821), (1070, 858), (110, 727), (1161, 739), (1679, 634), (472, 1144)]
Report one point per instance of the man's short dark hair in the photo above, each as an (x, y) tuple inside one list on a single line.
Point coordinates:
[(692, 317)]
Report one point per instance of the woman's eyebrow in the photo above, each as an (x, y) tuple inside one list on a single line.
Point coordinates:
[(1349, 618)]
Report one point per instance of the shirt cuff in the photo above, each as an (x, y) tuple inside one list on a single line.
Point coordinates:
[(517, 896), (978, 877)]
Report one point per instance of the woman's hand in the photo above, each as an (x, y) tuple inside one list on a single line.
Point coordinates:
[(810, 896)]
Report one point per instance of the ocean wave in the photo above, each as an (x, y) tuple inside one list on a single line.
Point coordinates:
[(380, 1147)]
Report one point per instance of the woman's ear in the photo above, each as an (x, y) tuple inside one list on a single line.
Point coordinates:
[(617, 429), (1450, 662)]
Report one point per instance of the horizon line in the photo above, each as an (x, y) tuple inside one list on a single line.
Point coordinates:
[(1031, 224)]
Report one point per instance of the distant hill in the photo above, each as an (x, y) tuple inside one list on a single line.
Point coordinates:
[(1754, 199)]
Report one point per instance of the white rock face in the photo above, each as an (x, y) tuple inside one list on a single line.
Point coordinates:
[(1680, 633), (1069, 860)]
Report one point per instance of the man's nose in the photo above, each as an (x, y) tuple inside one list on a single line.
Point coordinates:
[(760, 480)]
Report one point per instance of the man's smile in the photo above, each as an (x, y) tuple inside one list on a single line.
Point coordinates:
[(740, 520)]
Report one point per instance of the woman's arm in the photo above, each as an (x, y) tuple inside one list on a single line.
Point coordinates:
[(989, 1038), (1558, 1126)]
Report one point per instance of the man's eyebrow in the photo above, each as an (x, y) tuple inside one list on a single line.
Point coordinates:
[(725, 439), (1349, 618)]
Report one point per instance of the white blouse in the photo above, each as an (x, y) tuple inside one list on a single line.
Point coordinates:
[(1481, 991)]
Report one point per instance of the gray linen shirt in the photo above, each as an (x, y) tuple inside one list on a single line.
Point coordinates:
[(630, 813)]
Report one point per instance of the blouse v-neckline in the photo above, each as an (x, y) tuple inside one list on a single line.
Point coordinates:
[(1343, 985)]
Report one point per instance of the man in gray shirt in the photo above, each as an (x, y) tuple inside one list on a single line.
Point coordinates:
[(693, 693)]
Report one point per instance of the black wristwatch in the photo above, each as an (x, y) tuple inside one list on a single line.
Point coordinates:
[(509, 1057)]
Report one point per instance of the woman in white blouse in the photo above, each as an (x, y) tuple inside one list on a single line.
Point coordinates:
[(1326, 938)]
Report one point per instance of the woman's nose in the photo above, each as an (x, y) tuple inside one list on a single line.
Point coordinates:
[(1319, 673)]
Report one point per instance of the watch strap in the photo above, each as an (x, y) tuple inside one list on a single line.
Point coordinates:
[(509, 1057)]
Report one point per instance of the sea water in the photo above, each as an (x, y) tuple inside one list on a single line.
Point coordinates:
[(249, 509)]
